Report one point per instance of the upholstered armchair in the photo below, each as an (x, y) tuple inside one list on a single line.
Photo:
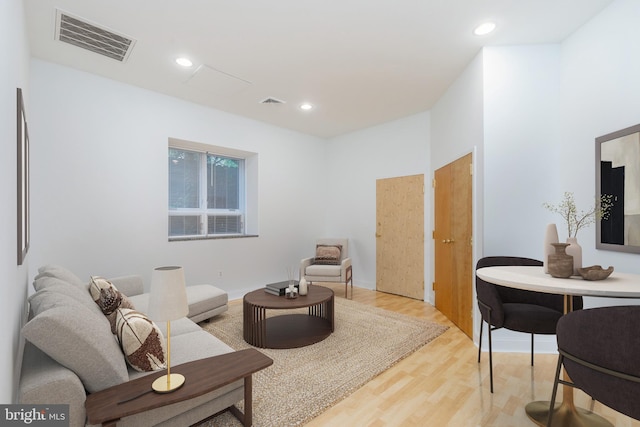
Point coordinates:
[(599, 349), (516, 309), (331, 263)]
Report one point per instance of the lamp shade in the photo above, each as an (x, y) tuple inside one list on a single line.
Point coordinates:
[(168, 299)]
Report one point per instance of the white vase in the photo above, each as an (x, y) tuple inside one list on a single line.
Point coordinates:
[(303, 286), (575, 250), (550, 236)]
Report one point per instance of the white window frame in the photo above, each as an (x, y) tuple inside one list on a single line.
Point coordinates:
[(247, 173)]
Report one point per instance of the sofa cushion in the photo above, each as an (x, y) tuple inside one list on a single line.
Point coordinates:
[(48, 298), (204, 301), (53, 284), (108, 298), (202, 298), (196, 345), (141, 341), (328, 254), (80, 340), (62, 274), (192, 346), (178, 327)]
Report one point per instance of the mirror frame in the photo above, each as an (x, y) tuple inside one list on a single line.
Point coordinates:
[(599, 141)]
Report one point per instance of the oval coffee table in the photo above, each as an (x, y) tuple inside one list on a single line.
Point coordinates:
[(287, 330)]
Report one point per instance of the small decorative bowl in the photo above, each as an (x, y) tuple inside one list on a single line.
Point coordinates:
[(595, 272)]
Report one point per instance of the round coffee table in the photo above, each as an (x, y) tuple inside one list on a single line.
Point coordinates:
[(287, 330)]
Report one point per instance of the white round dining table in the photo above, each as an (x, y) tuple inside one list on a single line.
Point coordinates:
[(617, 285)]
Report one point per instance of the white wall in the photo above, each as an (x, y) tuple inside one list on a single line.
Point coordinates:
[(457, 130), (353, 164), (99, 186), (522, 159), (544, 107), (521, 147), (457, 117), (14, 64), (600, 94)]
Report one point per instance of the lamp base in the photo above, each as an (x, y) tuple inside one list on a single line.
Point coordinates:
[(161, 385)]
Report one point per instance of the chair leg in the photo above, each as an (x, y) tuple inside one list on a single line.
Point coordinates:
[(531, 349), (552, 404), (489, 328), (480, 340), (490, 359)]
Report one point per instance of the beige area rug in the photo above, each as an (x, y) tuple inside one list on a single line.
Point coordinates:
[(304, 382)]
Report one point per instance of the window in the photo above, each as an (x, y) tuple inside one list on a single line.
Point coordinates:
[(206, 194)]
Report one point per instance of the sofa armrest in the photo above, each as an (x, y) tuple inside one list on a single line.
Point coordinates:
[(44, 381), (129, 285)]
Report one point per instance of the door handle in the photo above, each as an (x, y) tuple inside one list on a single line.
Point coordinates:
[(378, 235)]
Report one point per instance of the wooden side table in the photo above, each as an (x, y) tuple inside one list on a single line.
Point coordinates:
[(202, 376)]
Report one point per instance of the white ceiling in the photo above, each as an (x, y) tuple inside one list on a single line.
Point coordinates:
[(360, 62)]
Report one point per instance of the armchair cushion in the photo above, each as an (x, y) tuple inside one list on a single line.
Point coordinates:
[(323, 270), (328, 254), (530, 317)]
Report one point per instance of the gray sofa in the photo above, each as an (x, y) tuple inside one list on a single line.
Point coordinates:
[(70, 350)]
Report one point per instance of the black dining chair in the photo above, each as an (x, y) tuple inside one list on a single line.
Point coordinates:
[(516, 309), (599, 348)]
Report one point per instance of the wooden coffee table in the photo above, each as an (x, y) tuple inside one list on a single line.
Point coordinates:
[(288, 330)]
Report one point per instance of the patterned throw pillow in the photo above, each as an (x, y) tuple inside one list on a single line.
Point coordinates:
[(141, 341), (108, 298), (328, 254)]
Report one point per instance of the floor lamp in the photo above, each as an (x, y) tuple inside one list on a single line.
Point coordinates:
[(167, 302)]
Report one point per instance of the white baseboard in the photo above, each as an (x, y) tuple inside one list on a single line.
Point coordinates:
[(519, 343)]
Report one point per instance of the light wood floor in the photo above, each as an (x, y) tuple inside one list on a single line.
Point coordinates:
[(443, 385)]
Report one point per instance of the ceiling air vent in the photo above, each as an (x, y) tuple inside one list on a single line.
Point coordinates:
[(75, 31), (271, 101)]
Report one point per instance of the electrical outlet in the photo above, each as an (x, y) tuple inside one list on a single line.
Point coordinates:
[(219, 273)]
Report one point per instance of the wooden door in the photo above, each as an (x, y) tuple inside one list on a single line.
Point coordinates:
[(400, 236), (453, 242), (443, 250)]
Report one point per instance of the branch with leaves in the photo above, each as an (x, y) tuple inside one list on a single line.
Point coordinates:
[(579, 219)]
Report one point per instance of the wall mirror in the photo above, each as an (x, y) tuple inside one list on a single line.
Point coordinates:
[(618, 175)]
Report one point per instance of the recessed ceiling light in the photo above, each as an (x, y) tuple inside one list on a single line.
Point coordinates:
[(185, 62), (306, 106), (485, 28)]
